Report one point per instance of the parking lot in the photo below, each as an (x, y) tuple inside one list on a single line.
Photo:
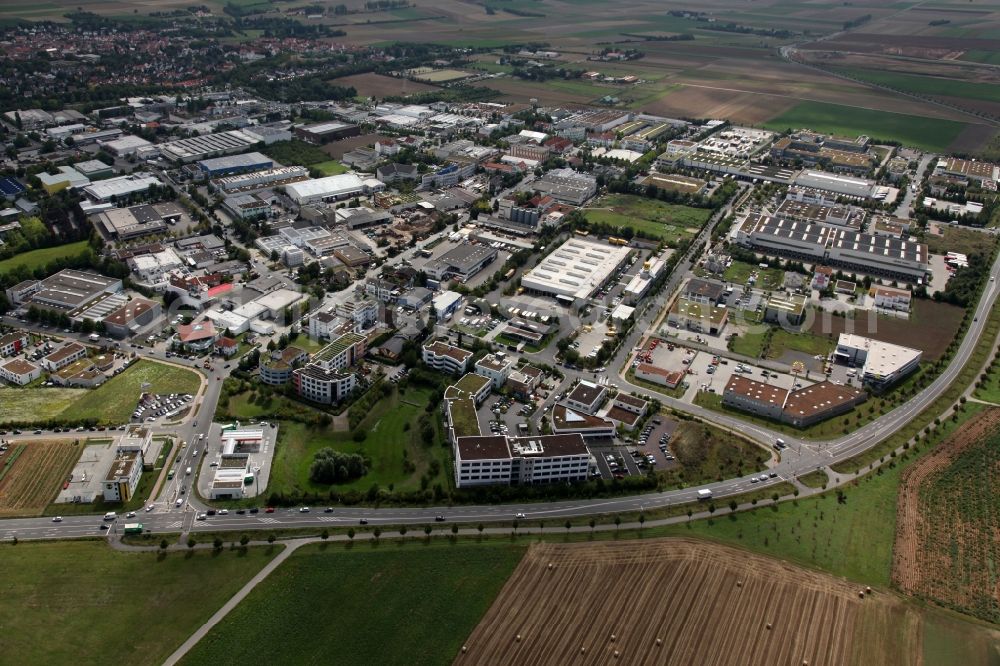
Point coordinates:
[(88, 473), (653, 444), (152, 407)]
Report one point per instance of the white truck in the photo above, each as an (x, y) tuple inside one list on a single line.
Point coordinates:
[(704, 494)]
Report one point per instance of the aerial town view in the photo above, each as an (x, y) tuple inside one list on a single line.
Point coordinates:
[(500, 332)]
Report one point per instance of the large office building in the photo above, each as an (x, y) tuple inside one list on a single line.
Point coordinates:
[(867, 253), (327, 387), (882, 363), (446, 358), (332, 188), (502, 460), (208, 145), (461, 262), (575, 270)]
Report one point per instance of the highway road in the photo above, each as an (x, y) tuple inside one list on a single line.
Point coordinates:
[(801, 457)]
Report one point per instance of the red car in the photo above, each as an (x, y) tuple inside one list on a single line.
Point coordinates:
[(269, 509)]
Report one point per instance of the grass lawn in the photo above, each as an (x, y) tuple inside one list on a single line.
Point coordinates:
[(853, 538), (932, 134), (36, 404), (749, 344), (68, 601), (782, 341), (767, 278), (391, 428), (331, 168), (41, 258), (114, 401), (393, 603), (990, 57), (651, 217), (926, 85), (816, 479)]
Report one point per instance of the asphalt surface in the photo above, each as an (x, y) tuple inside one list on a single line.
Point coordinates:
[(801, 457)]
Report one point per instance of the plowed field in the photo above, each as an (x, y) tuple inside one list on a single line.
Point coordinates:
[(35, 476), (948, 525), (678, 601)]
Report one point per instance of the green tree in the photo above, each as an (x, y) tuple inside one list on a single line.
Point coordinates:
[(191, 542), (244, 540)]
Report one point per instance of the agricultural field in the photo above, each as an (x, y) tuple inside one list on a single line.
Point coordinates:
[(392, 440), (934, 134), (683, 601), (927, 85), (31, 473), (378, 85), (27, 405), (41, 258), (351, 602), (165, 599), (114, 401), (948, 519), (649, 217)]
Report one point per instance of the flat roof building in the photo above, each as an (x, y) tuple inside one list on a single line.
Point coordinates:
[(882, 363), (325, 132), (208, 145), (121, 187), (501, 460), (235, 164), (461, 262), (70, 289), (331, 188), (446, 358), (575, 270)]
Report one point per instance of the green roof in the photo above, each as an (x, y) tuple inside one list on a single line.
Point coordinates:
[(464, 418), (338, 346), (471, 383)]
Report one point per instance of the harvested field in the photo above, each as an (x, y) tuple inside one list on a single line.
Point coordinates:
[(33, 479), (705, 603), (377, 85), (931, 327), (948, 522)]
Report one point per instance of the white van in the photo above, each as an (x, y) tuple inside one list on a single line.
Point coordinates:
[(110, 515), (188, 471)]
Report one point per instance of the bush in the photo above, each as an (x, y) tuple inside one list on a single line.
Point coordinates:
[(331, 466)]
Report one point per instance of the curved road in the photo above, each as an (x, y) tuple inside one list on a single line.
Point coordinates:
[(801, 457)]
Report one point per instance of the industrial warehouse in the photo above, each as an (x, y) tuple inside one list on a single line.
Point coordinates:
[(575, 270), (883, 255)]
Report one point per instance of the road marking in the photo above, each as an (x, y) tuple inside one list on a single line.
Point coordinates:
[(268, 520)]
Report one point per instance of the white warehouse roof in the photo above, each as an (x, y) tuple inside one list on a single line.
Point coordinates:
[(322, 188), (575, 269)]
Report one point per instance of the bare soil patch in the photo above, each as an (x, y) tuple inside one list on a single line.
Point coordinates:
[(378, 85)]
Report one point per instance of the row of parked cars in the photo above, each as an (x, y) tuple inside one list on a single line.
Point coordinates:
[(160, 405)]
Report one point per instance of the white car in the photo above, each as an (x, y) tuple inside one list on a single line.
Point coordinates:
[(223, 512), (130, 514), (304, 509), (763, 477), (179, 501), (57, 519), (202, 516), (149, 507)]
